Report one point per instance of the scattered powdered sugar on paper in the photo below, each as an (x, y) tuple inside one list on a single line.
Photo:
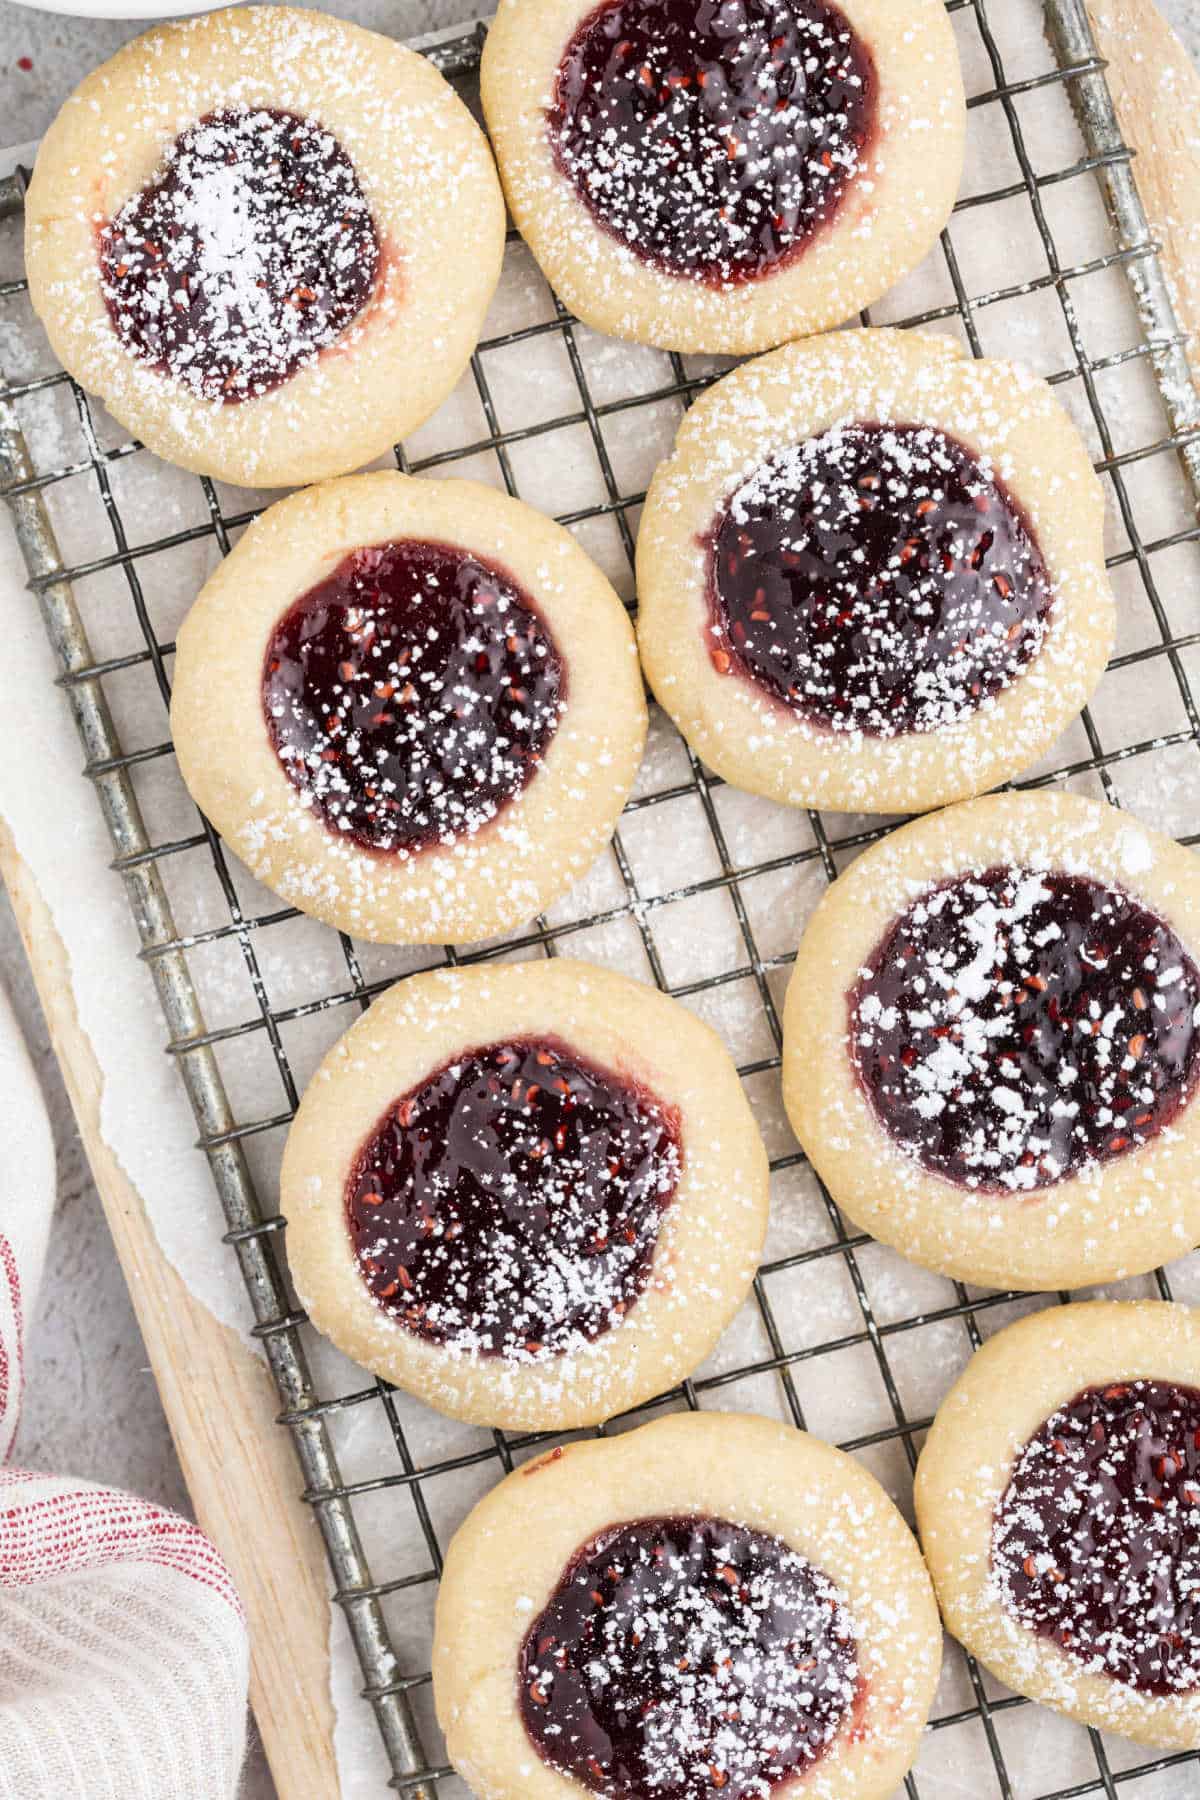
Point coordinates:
[(144, 1115), (841, 1392)]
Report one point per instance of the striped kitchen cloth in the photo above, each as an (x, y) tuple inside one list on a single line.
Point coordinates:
[(123, 1647)]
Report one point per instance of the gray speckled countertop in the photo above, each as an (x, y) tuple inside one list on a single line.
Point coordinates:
[(91, 1404)]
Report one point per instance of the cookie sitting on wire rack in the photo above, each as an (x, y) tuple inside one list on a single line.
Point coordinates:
[(531, 1193), (412, 707), (992, 1042), (266, 239), (1058, 1495), (871, 573), (713, 1603), (724, 178)]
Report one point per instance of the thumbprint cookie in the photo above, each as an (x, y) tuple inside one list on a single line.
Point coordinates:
[(992, 1042), (1058, 1496), (871, 574), (413, 708), (533, 1194), (714, 1604), (266, 239), (723, 177)]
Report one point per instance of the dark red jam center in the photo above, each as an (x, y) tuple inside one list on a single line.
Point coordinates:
[(511, 1204), (713, 139), (411, 694), (250, 250), (1096, 1543), (687, 1657), (877, 579), (1014, 1027)]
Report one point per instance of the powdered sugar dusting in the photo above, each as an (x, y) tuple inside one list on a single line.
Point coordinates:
[(687, 1658), (1017, 1025), (506, 782), (511, 1205), (883, 678), (683, 130), (1096, 1540), (876, 579), (713, 141), (411, 694), (249, 252), (380, 346)]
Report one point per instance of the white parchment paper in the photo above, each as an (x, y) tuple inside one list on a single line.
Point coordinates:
[(59, 832)]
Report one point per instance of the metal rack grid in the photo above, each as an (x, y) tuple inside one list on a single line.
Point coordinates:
[(254, 1230)]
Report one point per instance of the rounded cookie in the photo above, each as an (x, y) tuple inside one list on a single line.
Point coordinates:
[(1058, 1496), (413, 708), (714, 1602), (723, 179), (992, 1042), (531, 1193), (279, 263), (871, 573)]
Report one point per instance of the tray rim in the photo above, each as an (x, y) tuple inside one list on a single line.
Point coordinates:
[(455, 51)]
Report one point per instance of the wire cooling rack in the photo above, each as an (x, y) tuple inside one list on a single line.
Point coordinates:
[(834, 1318)]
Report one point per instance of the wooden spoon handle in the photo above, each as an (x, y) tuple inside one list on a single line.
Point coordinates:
[(1156, 90)]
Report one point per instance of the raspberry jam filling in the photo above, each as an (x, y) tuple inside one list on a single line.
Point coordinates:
[(511, 1204), (686, 1657), (1096, 1542), (1015, 1027), (411, 694), (250, 250), (875, 579), (713, 139)]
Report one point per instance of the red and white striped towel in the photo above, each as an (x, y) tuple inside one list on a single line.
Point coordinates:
[(123, 1648)]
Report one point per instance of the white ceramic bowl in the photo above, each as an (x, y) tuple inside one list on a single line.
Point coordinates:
[(123, 9)]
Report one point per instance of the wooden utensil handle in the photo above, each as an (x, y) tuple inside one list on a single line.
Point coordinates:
[(1156, 90), (218, 1398), (220, 1402)]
